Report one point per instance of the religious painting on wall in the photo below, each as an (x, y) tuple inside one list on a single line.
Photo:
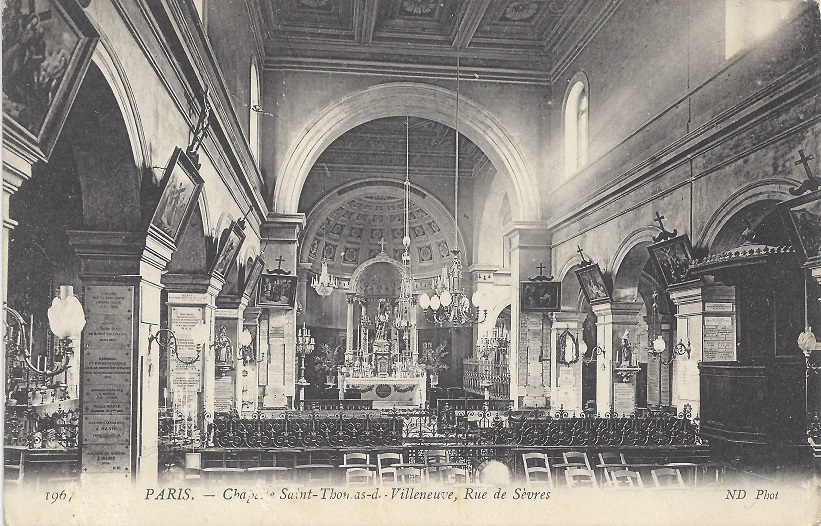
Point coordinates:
[(541, 295), (672, 258), (232, 239), (181, 186), (253, 274), (277, 290), (47, 46), (802, 217), (592, 282)]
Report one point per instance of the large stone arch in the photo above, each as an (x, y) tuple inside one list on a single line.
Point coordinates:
[(360, 270), (762, 190), (629, 261), (417, 100)]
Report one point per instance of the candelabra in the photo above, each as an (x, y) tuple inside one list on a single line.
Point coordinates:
[(324, 284), (304, 346), (449, 302), (247, 348), (656, 346)]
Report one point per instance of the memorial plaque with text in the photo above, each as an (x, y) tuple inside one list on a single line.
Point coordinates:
[(624, 398), (107, 373), (719, 339)]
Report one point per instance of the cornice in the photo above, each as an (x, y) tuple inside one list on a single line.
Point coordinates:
[(406, 70)]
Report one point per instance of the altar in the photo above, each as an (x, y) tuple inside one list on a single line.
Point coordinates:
[(381, 356)]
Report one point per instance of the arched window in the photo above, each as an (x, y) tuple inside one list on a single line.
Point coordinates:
[(254, 109), (575, 127)]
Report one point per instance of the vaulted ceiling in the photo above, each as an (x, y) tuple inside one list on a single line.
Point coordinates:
[(512, 34)]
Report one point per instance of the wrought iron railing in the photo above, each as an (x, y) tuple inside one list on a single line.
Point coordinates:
[(469, 427)]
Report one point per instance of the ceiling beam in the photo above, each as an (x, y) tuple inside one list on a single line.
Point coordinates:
[(468, 23), (365, 12)]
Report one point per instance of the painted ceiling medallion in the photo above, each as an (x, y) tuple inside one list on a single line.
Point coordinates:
[(519, 10), (418, 7), (314, 4)]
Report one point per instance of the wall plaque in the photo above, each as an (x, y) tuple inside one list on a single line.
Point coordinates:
[(107, 373), (719, 339), (624, 398)]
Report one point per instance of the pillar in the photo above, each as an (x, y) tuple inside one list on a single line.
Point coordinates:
[(529, 243), (699, 306), (566, 382), (349, 327), (280, 235), (612, 320), (192, 299), (120, 272), (16, 170)]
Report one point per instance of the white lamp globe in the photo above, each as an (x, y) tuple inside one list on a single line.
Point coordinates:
[(445, 298), (435, 303), (477, 299), (66, 317), (245, 338), (424, 300), (659, 345)]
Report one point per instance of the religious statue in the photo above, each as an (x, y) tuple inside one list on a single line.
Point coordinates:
[(383, 316), (625, 352)]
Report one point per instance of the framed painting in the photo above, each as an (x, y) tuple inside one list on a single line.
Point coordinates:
[(802, 217), (277, 290), (538, 295), (230, 243), (252, 276), (47, 46), (181, 186), (672, 258), (592, 282)]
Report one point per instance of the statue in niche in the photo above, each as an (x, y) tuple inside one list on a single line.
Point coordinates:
[(383, 316)]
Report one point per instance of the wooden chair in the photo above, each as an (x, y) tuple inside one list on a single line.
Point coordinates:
[(455, 475), (269, 474), (537, 468), (625, 479), (606, 459), (222, 475), (356, 458), (14, 465), (384, 463), (407, 476), (193, 467), (667, 478), (580, 478), (359, 477), (433, 460), (577, 458)]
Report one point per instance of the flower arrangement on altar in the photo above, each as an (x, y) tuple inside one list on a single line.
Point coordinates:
[(433, 361)]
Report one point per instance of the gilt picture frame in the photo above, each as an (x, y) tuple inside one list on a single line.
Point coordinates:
[(672, 258), (230, 242), (180, 188), (47, 48), (277, 290), (593, 285), (540, 296)]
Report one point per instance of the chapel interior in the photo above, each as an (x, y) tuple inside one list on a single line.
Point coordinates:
[(408, 242)]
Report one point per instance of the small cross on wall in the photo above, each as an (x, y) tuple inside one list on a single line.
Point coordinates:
[(280, 260)]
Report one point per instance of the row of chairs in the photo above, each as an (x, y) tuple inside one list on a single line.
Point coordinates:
[(579, 473)]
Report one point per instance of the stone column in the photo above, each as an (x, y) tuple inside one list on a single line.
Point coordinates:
[(251, 381), (612, 319), (16, 170), (566, 382), (696, 304), (191, 299), (349, 327), (280, 235), (121, 273), (530, 246)]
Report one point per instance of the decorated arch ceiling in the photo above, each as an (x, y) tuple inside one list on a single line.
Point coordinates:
[(351, 230), (498, 33)]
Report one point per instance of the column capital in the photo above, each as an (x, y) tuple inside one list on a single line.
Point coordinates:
[(617, 312), (251, 316), (568, 319), (282, 227), (535, 234), (350, 297), (106, 254)]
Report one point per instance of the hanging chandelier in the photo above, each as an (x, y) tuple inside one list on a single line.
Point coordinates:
[(449, 302), (402, 317), (324, 284)]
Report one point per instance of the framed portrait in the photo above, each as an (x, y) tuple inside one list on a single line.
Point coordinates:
[(277, 290), (672, 258), (802, 217), (592, 282), (539, 295), (181, 186), (252, 275), (230, 243), (47, 46)]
